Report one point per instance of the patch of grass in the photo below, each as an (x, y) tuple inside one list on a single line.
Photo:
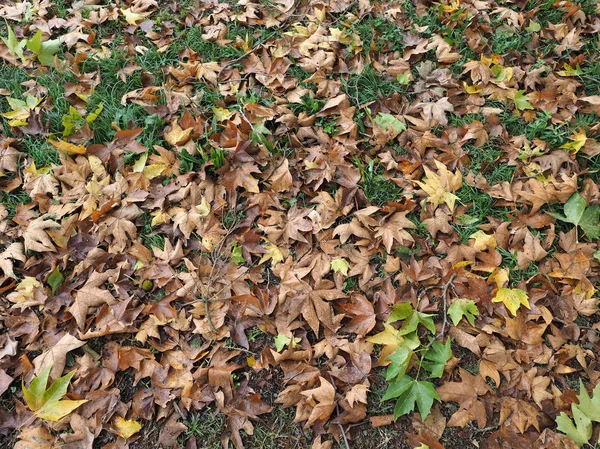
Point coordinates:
[(206, 426), (42, 153), (481, 207), (277, 430), (503, 42), (376, 188), (13, 199), (369, 86), (385, 35)]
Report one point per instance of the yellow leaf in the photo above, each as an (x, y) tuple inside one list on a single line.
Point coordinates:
[(499, 276), (483, 241), (177, 135), (474, 89), (251, 361), (35, 171), (512, 298), (273, 254), (158, 217), (340, 266), (25, 290), (67, 147), (54, 411), (439, 187), (131, 17), (154, 170), (578, 140), (96, 165), (139, 165), (126, 428), (203, 208), (311, 164), (222, 114), (47, 403), (388, 337)]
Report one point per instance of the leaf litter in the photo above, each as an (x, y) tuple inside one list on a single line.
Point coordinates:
[(391, 208)]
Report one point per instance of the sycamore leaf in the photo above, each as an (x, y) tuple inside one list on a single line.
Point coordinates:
[(521, 101), (69, 148), (512, 298), (20, 110), (132, 18), (436, 357), (282, 340), (273, 253), (47, 403), (44, 51), (410, 392), (126, 428), (581, 431), (400, 360), (440, 187), (576, 213), (578, 140), (14, 46), (237, 255), (589, 222), (55, 280), (389, 121), (412, 318), (570, 71), (533, 27), (340, 265), (463, 307)]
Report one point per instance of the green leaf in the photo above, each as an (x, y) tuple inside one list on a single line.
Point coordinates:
[(463, 307), (92, 116), (403, 78), (521, 101), (589, 406), (282, 340), (589, 222), (533, 27), (579, 433), (400, 312), (574, 209), (236, 254), (436, 357), (55, 280), (71, 121), (414, 319), (47, 404), (14, 46), (410, 392), (588, 410), (400, 360), (389, 121), (340, 265), (44, 51)]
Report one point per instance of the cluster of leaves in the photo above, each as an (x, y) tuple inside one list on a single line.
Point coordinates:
[(247, 206)]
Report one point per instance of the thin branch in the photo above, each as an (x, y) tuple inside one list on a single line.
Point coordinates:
[(445, 288), (337, 410)]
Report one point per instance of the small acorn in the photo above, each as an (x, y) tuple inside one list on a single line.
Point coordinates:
[(147, 285)]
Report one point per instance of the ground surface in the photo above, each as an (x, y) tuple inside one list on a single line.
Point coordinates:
[(240, 224)]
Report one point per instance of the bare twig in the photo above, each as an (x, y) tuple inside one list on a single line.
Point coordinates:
[(337, 410), (444, 297)]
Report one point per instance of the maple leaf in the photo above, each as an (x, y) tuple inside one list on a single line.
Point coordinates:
[(13, 252), (440, 187), (463, 307), (340, 265), (67, 147), (578, 140), (512, 298), (126, 428), (47, 403), (21, 110), (411, 392), (437, 110), (584, 413), (36, 237), (44, 51), (521, 101)]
